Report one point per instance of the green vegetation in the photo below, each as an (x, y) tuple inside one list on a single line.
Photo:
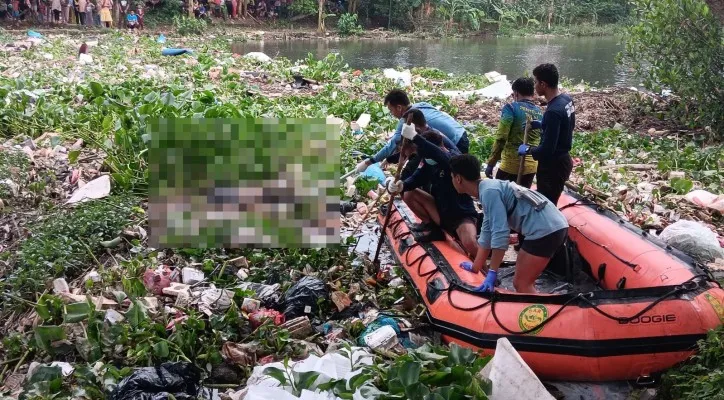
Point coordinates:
[(428, 372), (347, 25), (189, 26), (63, 243), (702, 377), (677, 45)]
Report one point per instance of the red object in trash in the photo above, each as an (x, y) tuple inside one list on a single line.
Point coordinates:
[(258, 317), (266, 360), (157, 279), (357, 73)]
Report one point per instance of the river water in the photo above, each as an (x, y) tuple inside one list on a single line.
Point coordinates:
[(591, 59)]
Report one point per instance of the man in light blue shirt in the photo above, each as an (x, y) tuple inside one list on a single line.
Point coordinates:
[(398, 103), (508, 206)]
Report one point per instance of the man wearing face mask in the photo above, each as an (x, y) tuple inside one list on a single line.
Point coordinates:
[(398, 103), (511, 131), (445, 209)]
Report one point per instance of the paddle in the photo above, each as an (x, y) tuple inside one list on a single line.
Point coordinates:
[(521, 166), (400, 164)]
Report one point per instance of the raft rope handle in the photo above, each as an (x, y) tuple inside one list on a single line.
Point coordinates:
[(608, 250), (685, 286)]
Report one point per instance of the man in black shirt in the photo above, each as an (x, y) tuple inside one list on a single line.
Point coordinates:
[(444, 209), (554, 161)]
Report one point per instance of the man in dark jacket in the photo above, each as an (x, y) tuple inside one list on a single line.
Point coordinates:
[(444, 209)]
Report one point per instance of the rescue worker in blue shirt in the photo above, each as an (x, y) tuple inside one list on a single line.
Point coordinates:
[(508, 206), (398, 103), (559, 120)]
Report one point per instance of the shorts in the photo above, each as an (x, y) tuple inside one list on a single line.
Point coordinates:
[(525, 181), (464, 143), (106, 15), (547, 246), (450, 224)]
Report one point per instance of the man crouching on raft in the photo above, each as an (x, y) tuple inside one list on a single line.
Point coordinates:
[(508, 206), (444, 209)]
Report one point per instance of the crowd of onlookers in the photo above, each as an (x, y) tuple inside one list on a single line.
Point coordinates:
[(103, 12), (76, 12)]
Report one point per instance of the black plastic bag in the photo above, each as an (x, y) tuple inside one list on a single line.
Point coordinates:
[(156, 383), (301, 299)]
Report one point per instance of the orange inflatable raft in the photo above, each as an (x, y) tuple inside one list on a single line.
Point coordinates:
[(615, 303)]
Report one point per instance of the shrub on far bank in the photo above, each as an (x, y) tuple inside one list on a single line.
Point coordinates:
[(677, 45), (347, 25)]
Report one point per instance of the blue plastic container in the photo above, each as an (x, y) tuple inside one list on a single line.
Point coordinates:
[(174, 52)]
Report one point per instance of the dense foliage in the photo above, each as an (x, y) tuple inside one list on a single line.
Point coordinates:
[(348, 25), (702, 377), (677, 45)]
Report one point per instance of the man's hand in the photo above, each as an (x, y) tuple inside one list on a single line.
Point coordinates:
[(393, 186), (409, 132), (523, 149), (362, 166), (489, 170), (489, 284), (468, 266), (535, 124)]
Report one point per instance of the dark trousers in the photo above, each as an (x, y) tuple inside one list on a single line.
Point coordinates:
[(552, 176), (526, 180)]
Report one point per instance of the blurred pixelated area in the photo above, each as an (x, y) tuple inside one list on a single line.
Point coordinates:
[(232, 183)]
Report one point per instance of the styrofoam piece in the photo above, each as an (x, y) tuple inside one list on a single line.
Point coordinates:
[(499, 90), (362, 122), (403, 78), (258, 56), (512, 378)]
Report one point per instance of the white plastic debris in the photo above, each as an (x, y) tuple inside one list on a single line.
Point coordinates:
[(96, 189), (495, 76), (332, 366), (498, 90), (258, 56), (694, 239), (60, 286), (706, 199), (191, 276), (382, 338), (511, 377), (14, 187), (402, 78), (215, 300), (113, 317), (84, 58)]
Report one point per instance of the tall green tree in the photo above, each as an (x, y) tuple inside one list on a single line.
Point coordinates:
[(678, 45)]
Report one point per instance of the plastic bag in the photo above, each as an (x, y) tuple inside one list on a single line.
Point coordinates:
[(156, 383), (694, 239), (301, 298)]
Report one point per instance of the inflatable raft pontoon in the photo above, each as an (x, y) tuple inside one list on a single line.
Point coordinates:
[(615, 303)]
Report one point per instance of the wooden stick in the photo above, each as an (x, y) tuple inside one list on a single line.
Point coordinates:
[(521, 166), (400, 164)]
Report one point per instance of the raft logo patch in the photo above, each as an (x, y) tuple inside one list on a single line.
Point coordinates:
[(718, 307), (531, 317)]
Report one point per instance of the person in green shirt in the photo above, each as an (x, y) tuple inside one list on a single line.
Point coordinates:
[(510, 135)]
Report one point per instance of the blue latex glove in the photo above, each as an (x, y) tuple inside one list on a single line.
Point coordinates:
[(489, 284), (467, 265), (489, 170), (523, 149), (536, 124)]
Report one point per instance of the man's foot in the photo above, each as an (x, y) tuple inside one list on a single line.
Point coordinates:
[(432, 236), (425, 226)]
